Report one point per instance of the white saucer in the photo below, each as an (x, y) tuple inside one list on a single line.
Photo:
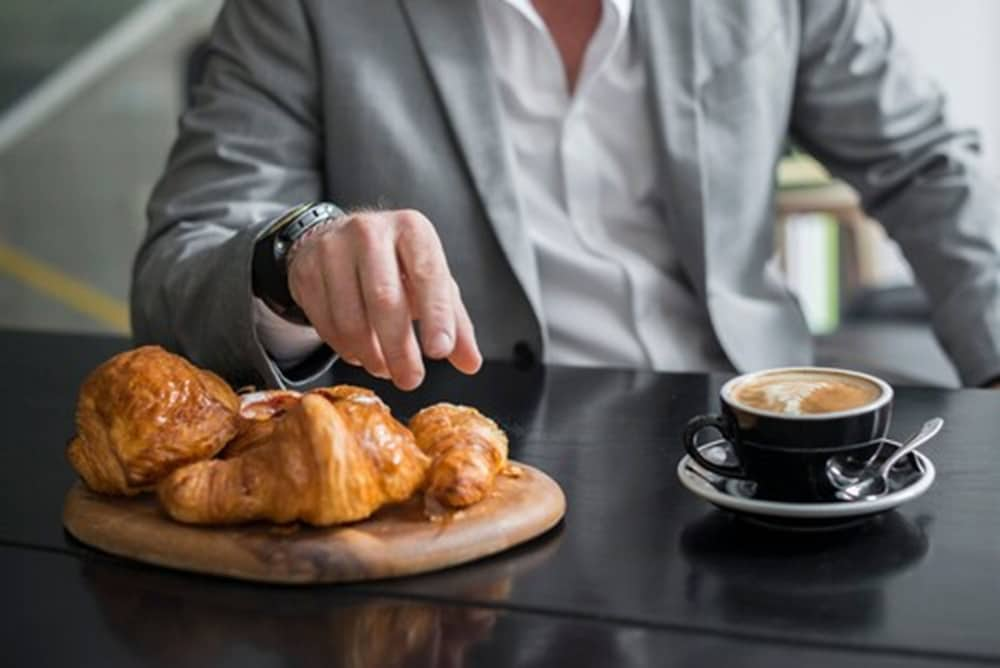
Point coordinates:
[(908, 480)]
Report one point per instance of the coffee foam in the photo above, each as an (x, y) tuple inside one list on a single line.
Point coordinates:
[(798, 393), (789, 396)]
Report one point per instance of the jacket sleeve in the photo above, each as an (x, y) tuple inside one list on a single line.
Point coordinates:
[(249, 147), (863, 109)]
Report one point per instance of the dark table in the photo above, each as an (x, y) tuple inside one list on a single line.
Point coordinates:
[(641, 572)]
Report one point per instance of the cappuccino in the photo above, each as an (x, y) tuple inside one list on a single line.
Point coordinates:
[(805, 392)]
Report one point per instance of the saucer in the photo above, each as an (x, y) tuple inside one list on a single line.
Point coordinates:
[(910, 478)]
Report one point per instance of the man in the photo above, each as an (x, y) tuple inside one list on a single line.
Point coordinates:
[(587, 182)]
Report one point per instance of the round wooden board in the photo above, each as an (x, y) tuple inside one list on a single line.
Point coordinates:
[(397, 540)]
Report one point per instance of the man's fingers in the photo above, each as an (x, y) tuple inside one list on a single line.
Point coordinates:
[(377, 367), (428, 283), (323, 280), (363, 283), (307, 283), (350, 325), (386, 304), (466, 356)]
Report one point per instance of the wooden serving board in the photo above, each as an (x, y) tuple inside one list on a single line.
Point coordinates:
[(397, 540)]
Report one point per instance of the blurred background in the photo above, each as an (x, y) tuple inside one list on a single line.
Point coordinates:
[(90, 93), (89, 97)]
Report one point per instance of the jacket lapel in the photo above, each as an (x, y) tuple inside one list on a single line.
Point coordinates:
[(452, 40), (679, 64)]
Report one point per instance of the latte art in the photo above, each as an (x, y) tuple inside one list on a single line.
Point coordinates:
[(805, 393)]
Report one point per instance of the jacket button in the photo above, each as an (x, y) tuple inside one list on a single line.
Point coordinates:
[(524, 356)]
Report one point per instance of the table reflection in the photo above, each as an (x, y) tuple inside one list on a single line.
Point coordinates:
[(823, 581), (185, 619), (188, 620)]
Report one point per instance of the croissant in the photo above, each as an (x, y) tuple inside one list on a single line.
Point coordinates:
[(467, 450), (256, 423), (334, 456), (144, 413), (379, 434)]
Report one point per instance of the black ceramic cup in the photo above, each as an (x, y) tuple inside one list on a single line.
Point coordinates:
[(785, 453)]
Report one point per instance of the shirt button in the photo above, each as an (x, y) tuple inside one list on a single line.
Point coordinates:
[(524, 355)]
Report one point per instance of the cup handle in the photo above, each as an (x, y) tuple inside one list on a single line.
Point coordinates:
[(694, 426)]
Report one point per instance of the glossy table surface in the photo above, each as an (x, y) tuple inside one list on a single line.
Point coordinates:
[(640, 572)]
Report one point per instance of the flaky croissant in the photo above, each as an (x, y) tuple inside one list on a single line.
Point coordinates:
[(144, 413), (386, 440), (257, 413), (467, 450), (334, 456)]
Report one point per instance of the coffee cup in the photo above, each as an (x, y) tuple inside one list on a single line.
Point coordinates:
[(785, 424)]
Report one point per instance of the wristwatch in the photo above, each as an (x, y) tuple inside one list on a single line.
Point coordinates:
[(270, 257)]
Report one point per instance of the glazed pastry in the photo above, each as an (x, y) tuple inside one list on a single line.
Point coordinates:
[(262, 406), (382, 436), (257, 413), (467, 450), (335, 456), (144, 413)]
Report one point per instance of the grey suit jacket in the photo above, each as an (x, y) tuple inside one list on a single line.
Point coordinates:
[(391, 103)]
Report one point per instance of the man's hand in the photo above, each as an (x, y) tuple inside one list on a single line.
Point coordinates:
[(362, 280)]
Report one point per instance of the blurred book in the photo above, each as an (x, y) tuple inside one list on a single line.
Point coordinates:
[(812, 268), (833, 255)]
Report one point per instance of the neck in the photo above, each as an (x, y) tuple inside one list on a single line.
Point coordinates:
[(572, 24)]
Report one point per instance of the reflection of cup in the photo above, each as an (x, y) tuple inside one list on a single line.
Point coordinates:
[(785, 424), (810, 581)]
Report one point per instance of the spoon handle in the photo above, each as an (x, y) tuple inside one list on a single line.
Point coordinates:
[(927, 432)]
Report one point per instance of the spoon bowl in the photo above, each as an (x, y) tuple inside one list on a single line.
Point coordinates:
[(871, 482)]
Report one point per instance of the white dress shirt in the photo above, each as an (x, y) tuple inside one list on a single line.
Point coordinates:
[(589, 188)]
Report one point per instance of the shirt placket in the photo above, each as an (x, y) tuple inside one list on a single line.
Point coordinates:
[(582, 183)]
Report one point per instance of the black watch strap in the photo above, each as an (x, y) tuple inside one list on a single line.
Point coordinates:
[(270, 268)]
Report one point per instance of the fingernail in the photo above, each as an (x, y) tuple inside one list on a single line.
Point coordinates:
[(410, 381), (439, 345)]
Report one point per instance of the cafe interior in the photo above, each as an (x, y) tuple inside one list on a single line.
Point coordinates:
[(626, 517)]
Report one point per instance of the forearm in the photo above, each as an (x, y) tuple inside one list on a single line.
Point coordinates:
[(248, 150), (191, 294)]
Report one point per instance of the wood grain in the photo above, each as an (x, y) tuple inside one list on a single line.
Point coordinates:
[(398, 540)]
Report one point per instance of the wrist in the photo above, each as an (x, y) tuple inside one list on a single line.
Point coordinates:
[(270, 257), (314, 231)]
